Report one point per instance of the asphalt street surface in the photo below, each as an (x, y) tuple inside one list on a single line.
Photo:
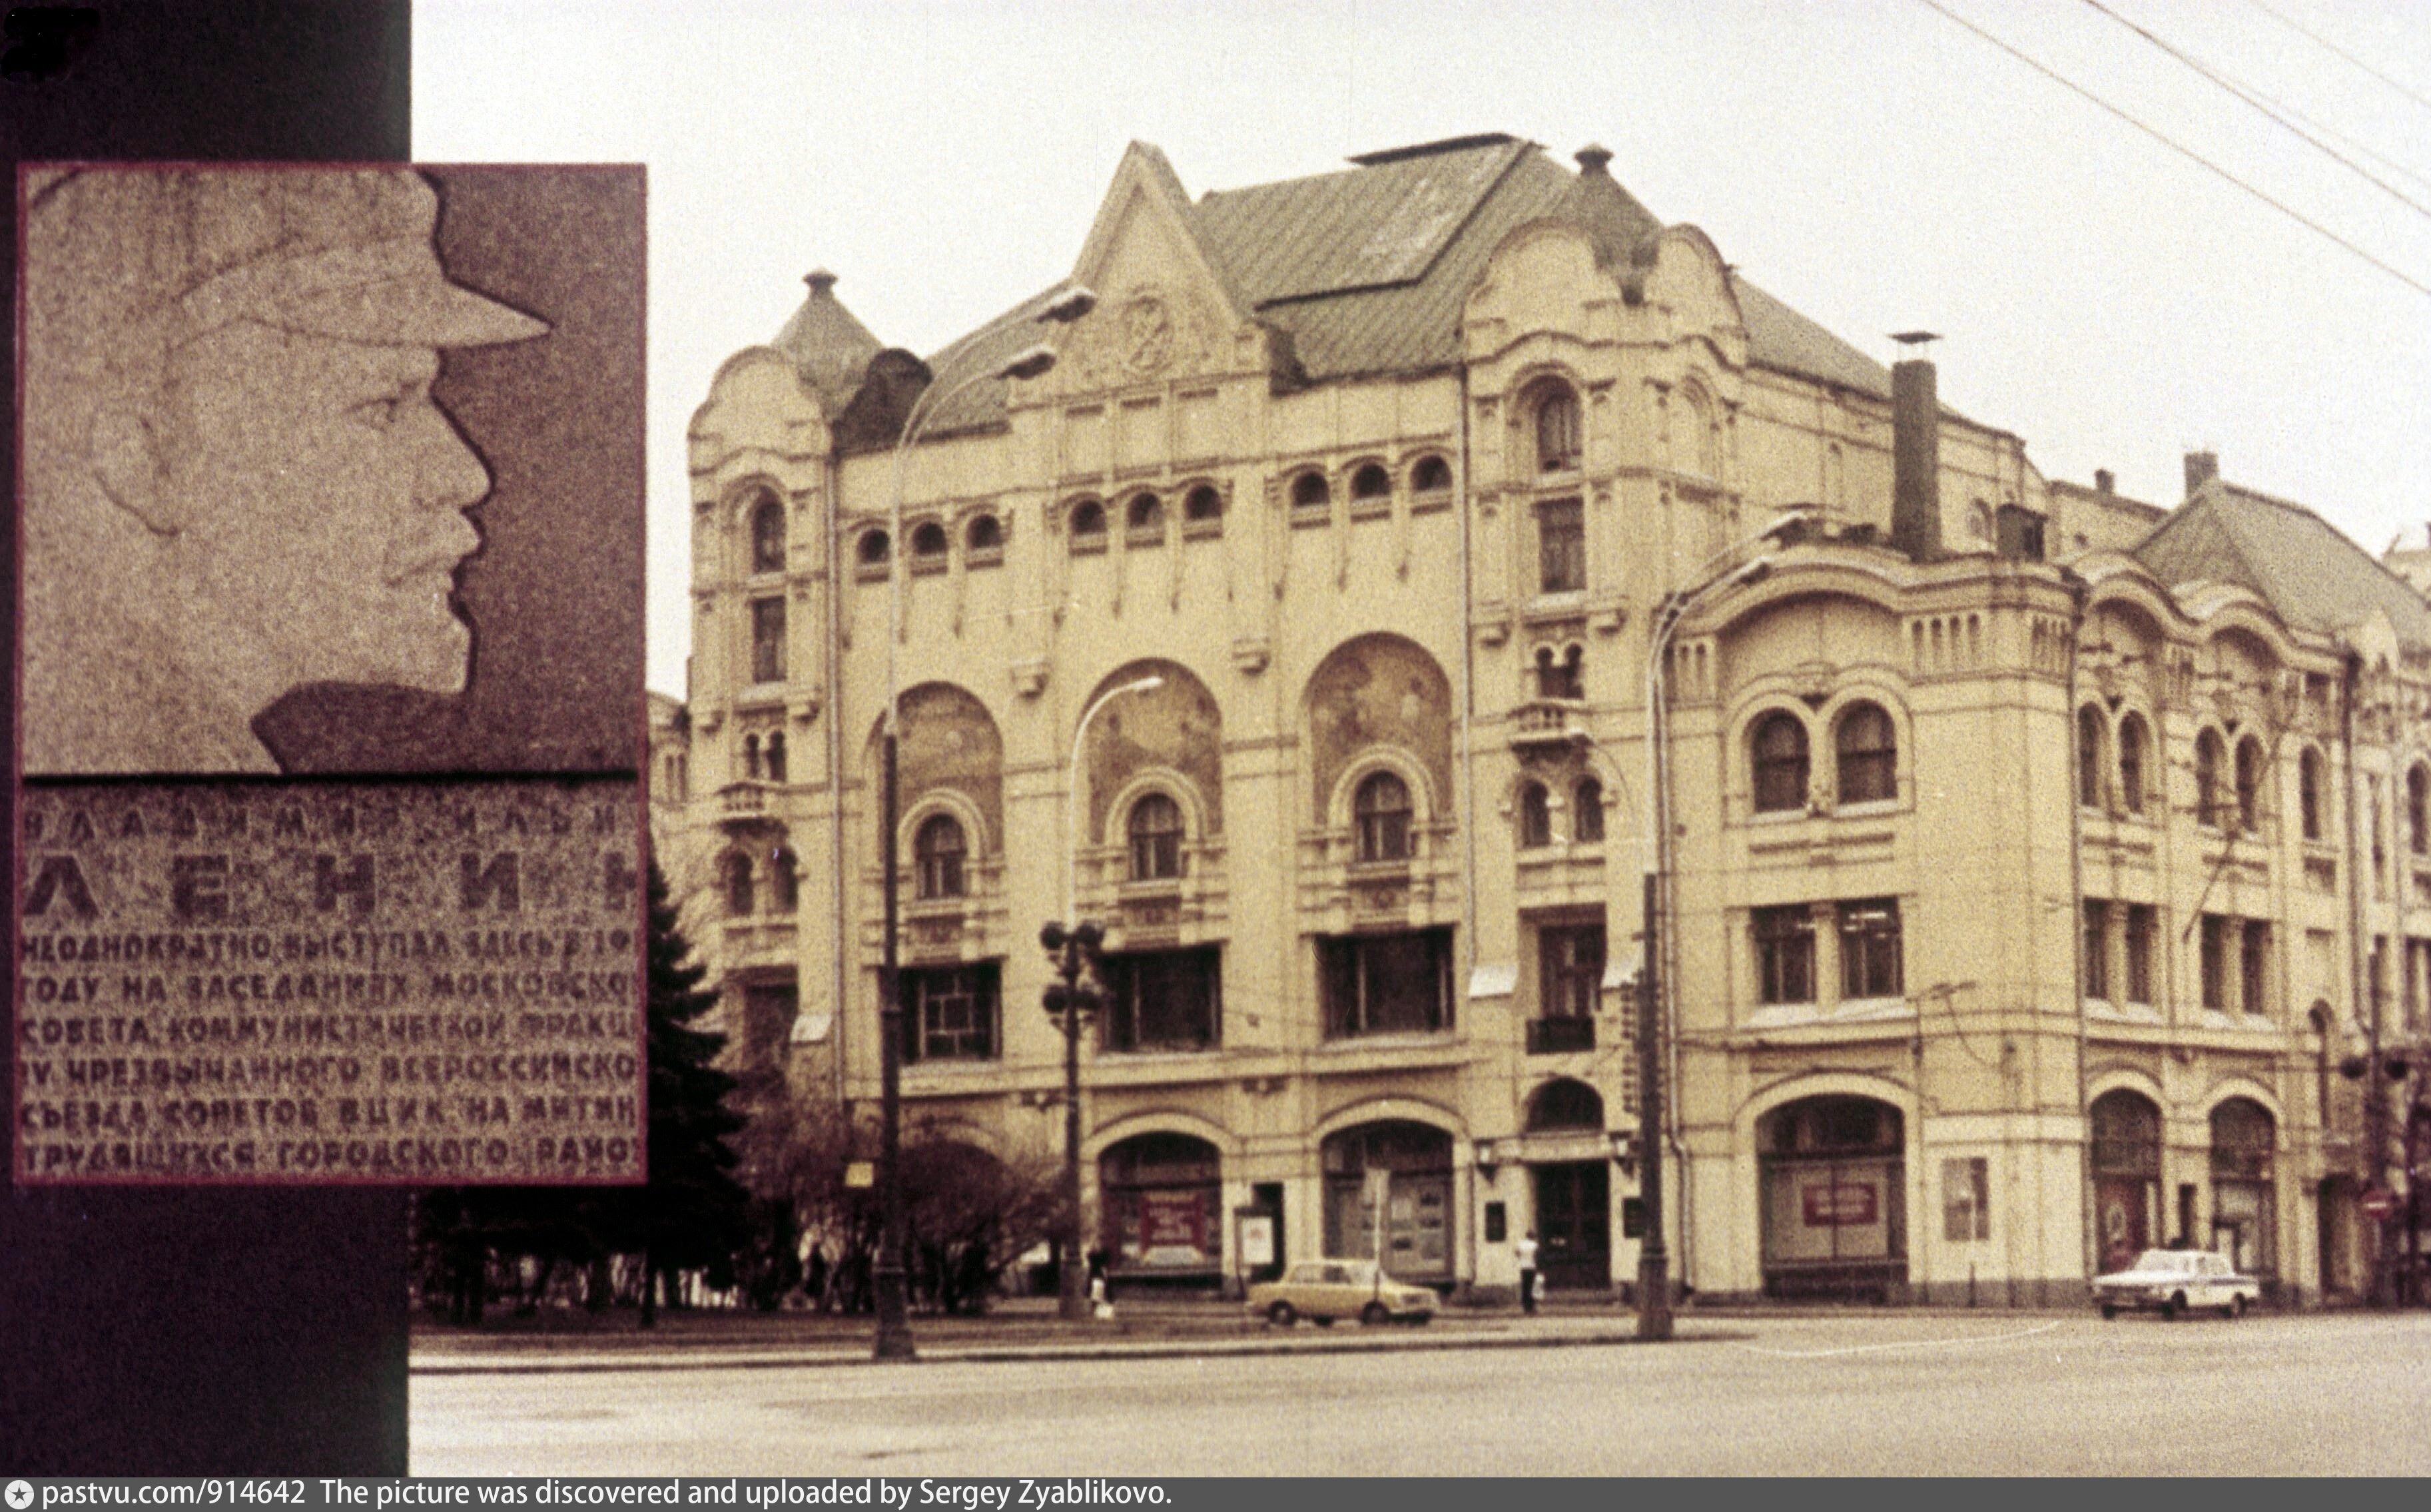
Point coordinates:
[(1886, 1393)]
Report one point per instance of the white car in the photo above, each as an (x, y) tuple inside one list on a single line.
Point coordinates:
[(2176, 1280), (1323, 1290)]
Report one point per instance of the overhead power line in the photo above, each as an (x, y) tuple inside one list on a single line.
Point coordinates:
[(2181, 149), (2258, 102), (2323, 41)]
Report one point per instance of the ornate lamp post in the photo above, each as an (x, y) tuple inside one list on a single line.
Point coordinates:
[(894, 1340)]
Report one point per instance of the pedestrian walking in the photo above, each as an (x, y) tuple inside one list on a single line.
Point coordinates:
[(1526, 1249)]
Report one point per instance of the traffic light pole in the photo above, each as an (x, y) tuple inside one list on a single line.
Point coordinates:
[(1069, 998)]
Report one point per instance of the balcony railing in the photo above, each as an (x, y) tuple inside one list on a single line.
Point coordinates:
[(1555, 1036), (1548, 722)]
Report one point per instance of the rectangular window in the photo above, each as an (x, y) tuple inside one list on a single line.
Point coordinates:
[(1785, 954), (1870, 949), (768, 640), (2097, 948), (2253, 966), (1569, 963), (2379, 983), (949, 1013), (1966, 1198), (1561, 546), (1387, 984), (2215, 962), (1164, 999), (2142, 930)]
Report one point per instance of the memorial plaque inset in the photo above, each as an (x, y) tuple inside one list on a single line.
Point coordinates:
[(401, 981)]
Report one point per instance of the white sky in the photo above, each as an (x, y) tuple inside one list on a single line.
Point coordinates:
[(1869, 161)]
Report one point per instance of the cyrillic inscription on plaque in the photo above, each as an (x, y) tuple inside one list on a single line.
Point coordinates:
[(405, 982)]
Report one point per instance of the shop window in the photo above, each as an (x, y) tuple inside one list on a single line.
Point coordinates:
[(784, 882), (1867, 755), (1381, 813), (2418, 811), (1310, 494), (983, 540), (768, 640), (1832, 1173), (1393, 1179), (870, 548), (1870, 949), (937, 852), (2125, 1129), (1371, 486), (1088, 525), (2308, 791), (949, 1013), (2132, 745), (774, 760), (740, 894), (2249, 784), (2088, 757), (1779, 749), (2208, 805), (1569, 974), (1565, 1104), (1156, 838), (1387, 983), (768, 534), (1966, 1198), (1202, 506), (2243, 1223), (1561, 546), (2097, 948), (1557, 429), (1164, 999), (1586, 812), (1785, 954), (2253, 966), (1536, 817), (2214, 933), (1144, 520), (1163, 1205), (1432, 475), (1563, 674)]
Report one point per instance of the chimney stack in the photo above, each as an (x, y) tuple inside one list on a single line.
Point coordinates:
[(1916, 455), (2103, 484), (2202, 467)]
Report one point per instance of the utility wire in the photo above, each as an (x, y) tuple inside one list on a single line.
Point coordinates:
[(2282, 208), (2351, 57), (2258, 102)]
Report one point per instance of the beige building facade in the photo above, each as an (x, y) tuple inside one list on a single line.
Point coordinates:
[(2033, 849)]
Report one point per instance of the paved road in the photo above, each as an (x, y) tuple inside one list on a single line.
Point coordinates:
[(1882, 1394)]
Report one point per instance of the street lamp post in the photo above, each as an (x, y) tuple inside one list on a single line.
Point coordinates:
[(1653, 1254), (1073, 944), (894, 1334)]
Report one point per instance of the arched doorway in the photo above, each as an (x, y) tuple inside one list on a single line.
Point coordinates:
[(2244, 1221), (2127, 1131), (1393, 1177), (1573, 1196), (1162, 1206), (1834, 1183)]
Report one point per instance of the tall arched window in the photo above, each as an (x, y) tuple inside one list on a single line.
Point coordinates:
[(1586, 811), (2417, 821), (2208, 804), (2245, 1215), (2126, 1137), (1779, 749), (784, 881), (2132, 743), (1557, 430), (2308, 791), (2249, 783), (2088, 757), (937, 851), (768, 534), (1156, 838), (1562, 676), (1380, 812), (752, 757), (1535, 816), (738, 885), (774, 760), (1867, 754)]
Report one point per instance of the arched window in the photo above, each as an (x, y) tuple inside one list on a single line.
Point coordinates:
[(1144, 517), (2417, 821), (2244, 1216), (1780, 747), (937, 851), (1557, 430), (752, 757), (768, 534), (870, 550), (1370, 483), (1432, 475), (1309, 492), (983, 538), (2208, 804), (2249, 783), (1565, 1104), (2088, 757), (1561, 677), (784, 882), (1535, 816), (1156, 838), (1381, 811), (774, 760), (1203, 505), (2126, 1138), (1867, 754), (928, 543), (1586, 812), (2131, 763), (738, 885), (1088, 525), (2308, 791)]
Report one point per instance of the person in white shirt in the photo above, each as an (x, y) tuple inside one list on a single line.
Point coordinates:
[(1526, 1249)]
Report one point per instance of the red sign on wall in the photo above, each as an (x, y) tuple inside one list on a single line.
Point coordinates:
[(1840, 1205), (1173, 1220)]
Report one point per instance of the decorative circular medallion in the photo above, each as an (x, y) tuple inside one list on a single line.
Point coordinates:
[(1148, 334)]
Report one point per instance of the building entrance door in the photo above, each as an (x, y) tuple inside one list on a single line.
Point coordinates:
[(1574, 1224)]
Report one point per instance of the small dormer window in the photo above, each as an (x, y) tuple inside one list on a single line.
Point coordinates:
[(1557, 430)]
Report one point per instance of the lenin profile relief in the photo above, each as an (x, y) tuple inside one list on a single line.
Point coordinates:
[(329, 469)]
